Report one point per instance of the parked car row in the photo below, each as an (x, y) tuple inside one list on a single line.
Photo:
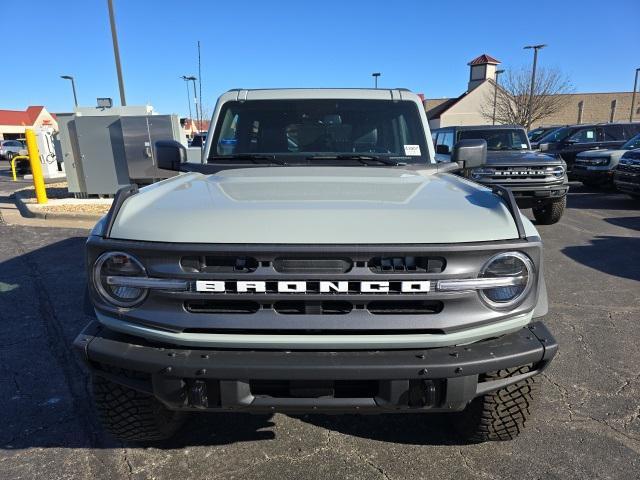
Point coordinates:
[(598, 155), (569, 141)]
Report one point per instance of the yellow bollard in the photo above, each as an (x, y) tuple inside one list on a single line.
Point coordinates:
[(13, 165), (36, 170)]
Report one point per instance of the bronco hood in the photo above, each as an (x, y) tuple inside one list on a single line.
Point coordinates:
[(315, 205), (520, 158)]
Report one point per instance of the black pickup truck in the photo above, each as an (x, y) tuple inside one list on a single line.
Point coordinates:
[(537, 181)]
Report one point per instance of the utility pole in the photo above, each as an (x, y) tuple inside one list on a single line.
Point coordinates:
[(186, 82), (375, 76), (533, 79), (73, 87), (633, 97), (116, 52), (495, 95)]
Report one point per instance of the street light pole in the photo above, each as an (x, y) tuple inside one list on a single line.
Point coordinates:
[(533, 79), (186, 82), (116, 52), (197, 103), (73, 87), (495, 95), (375, 76), (633, 97)]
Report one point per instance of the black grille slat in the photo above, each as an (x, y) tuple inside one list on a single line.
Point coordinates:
[(408, 263), (312, 265), (218, 264)]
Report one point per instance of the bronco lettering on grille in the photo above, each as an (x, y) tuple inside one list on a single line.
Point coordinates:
[(220, 286)]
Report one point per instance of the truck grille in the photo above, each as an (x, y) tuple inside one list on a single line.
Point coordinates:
[(628, 167), (332, 297), (520, 173)]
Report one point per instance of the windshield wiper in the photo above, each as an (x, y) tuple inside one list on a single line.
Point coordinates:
[(364, 159), (254, 157)]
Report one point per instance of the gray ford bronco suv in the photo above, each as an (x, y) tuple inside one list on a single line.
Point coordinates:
[(319, 261), (537, 181)]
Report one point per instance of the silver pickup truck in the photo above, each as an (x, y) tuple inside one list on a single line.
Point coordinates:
[(320, 260)]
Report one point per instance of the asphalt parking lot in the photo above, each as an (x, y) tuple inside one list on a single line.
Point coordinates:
[(587, 424)]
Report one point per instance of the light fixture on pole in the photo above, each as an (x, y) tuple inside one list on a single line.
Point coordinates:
[(73, 87), (195, 92), (186, 82), (375, 76), (495, 95), (533, 79), (633, 97)]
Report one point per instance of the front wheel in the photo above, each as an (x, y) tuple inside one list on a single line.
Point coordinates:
[(550, 213), (500, 415), (130, 415)]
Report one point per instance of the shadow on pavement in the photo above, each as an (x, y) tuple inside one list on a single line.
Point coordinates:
[(617, 256), (587, 198), (632, 223), (410, 428)]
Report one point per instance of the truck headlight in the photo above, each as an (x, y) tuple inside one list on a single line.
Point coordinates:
[(557, 172), (110, 272), (514, 274)]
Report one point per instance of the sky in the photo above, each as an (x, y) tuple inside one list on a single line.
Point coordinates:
[(420, 45)]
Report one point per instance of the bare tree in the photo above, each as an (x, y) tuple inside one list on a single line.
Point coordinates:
[(512, 97)]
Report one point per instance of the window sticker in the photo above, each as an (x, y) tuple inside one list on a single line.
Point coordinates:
[(412, 150), (589, 133), (523, 146)]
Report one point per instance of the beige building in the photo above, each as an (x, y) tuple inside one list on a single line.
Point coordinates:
[(13, 123), (577, 107)]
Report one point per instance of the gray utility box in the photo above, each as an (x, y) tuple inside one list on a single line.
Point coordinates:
[(103, 152)]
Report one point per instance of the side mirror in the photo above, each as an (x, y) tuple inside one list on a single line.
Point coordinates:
[(443, 149), (170, 154), (470, 153)]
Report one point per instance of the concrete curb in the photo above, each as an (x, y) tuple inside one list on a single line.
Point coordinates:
[(27, 210)]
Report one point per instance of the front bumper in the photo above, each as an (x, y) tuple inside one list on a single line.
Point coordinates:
[(437, 379), (531, 194), (627, 182), (581, 172)]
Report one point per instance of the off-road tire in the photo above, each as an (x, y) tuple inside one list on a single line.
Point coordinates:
[(500, 415), (130, 415), (551, 212)]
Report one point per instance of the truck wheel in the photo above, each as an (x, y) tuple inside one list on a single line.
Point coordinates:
[(550, 213), (499, 415), (131, 415)]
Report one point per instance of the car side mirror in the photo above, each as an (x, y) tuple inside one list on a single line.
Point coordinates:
[(470, 153), (170, 154), (443, 149)]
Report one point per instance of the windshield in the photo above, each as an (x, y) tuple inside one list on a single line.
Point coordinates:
[(538, 133), (557, 135), (311, 131), (632, 144), (498, 139)]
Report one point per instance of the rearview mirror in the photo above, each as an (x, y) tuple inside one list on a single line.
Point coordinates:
[(470, 153), (170, 154)]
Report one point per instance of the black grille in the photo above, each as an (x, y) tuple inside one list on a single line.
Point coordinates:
[(222, 306), (404, 307), (407, 264), (629, 168), (218, 264), (312, 265), (309, 307)]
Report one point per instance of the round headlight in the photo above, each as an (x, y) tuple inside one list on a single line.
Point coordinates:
[(118, 264), (557, 172), (515, 273)]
